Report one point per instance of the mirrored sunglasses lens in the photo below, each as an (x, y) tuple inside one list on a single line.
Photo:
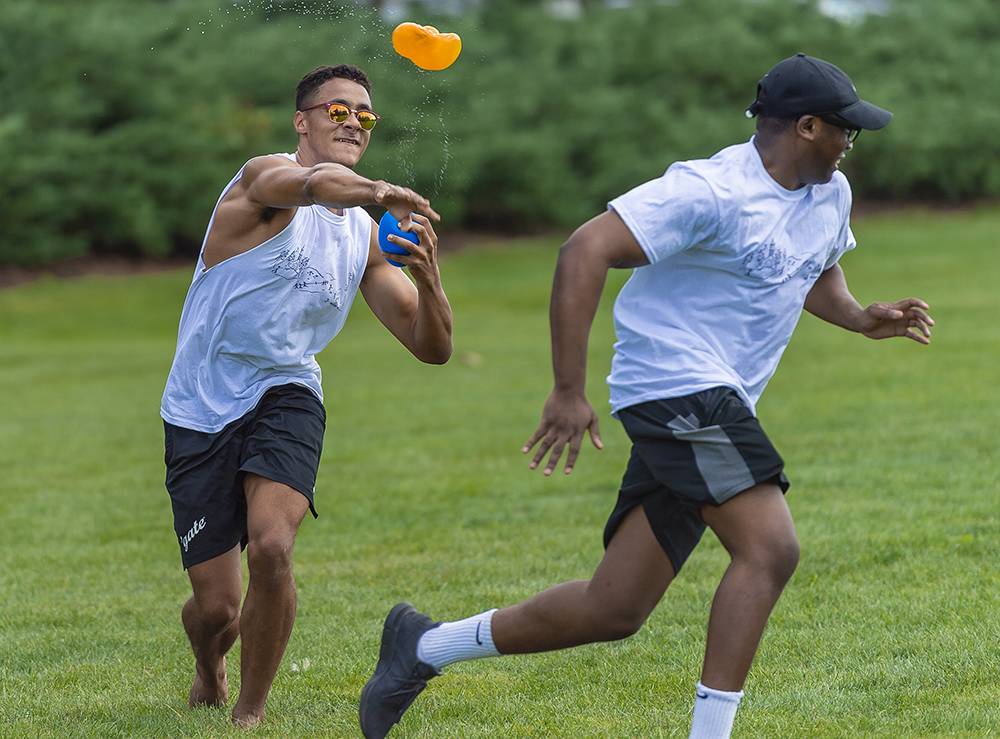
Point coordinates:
[(338, 113), (367, 120)]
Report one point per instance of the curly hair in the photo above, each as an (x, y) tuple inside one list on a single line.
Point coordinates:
[(311, 82)]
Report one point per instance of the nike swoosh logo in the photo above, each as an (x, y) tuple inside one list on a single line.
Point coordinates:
[(477, 633), (702, 695)]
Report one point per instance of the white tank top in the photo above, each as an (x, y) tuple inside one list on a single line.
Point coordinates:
[(258, 319)]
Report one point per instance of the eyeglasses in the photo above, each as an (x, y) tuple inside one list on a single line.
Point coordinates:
[(851, 133), (339, 113)]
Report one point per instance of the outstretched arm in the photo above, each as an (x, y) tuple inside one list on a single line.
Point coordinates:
[(600, 244), (277, 185), (831, 300), (277, 182), (417, 313)]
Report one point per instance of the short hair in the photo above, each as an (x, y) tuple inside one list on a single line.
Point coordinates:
[(770, 126), (311, 82)]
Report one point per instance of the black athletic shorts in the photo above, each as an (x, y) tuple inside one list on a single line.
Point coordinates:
[(688, 452), (280, 439)]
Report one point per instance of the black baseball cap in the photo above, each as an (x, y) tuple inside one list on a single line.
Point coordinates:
[(805, 85)]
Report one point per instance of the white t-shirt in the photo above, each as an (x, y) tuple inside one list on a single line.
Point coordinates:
[(732, 255)]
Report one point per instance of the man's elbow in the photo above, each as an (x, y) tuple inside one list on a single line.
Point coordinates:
[(436, 355)]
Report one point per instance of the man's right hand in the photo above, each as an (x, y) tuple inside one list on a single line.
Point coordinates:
[(598, 245), (565, 418), (401, 201)]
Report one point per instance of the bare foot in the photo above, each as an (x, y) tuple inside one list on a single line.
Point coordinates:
[(243, 719), (209, 692)]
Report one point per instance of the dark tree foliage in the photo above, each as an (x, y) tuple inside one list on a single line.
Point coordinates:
[(121, 121)]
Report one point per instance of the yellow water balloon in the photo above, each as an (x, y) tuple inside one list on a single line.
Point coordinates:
[(426, 46)]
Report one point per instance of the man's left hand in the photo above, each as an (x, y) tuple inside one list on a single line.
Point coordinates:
[(907, 318), (422, 259)]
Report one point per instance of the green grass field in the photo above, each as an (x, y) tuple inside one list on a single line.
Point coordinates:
[(888, 629)]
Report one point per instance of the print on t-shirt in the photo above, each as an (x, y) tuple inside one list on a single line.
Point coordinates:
[(293, 264), (772, 263)]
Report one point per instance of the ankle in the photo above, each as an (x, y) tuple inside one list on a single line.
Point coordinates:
[(714, 712), (456, 641), (213, 671)]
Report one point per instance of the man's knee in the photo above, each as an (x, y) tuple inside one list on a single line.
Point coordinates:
[(622, 624), (270, 555), (222, 613), (614, 620), (216, 611), (776, 559), (785, 558)]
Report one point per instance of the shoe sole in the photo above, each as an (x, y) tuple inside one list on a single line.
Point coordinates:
[(389, 630)]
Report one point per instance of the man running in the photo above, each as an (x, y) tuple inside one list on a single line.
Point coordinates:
[(727, 251), (286, 250)]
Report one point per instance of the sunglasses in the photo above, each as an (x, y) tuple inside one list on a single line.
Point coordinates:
[(339, 113)]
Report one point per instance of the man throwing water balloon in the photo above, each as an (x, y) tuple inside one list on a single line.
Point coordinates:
[(726, 253), (287, 248)]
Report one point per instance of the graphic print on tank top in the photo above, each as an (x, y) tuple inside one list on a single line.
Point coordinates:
[(293, 265)]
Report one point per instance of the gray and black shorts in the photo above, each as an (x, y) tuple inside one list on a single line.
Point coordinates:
[(281, 439), (688, 452)]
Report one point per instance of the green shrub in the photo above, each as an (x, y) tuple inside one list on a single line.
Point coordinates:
[(122, 121)]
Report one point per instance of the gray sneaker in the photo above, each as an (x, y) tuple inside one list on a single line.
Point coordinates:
[(399, 675)]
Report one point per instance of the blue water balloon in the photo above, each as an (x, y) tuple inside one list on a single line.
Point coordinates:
[(389, 225)]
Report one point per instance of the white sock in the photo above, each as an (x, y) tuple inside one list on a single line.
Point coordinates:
[(714, 711), (456, 641)]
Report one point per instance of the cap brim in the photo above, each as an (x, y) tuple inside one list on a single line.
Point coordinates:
[(863, 114)]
